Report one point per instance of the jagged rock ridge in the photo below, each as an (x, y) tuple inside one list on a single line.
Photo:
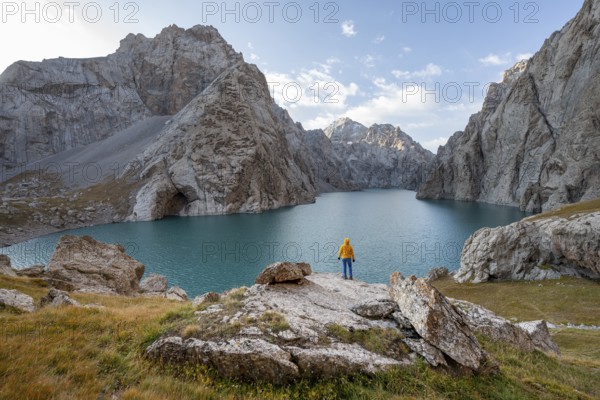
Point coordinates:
[(63, 103), (382, 156), (536, 142)]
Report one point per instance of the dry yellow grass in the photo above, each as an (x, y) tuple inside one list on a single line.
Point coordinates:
[(73, 353)]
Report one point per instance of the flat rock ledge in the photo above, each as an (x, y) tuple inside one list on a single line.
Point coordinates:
[(280, 332)]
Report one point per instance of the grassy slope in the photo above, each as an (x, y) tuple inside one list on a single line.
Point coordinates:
[(86, 353), (570, 210)]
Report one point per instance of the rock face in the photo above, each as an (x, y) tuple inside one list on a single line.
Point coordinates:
[(437, 321), (533, 249), (16, 299), (382, 156), (283, 272), (59, 104), (84, 264), (5, 266), (536, 142), (225, 152)]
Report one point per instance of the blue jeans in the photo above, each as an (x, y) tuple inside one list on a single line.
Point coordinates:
[(347, 262)]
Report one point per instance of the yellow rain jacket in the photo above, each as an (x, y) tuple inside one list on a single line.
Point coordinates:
[(346, 251)]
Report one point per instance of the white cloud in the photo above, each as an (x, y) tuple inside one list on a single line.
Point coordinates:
[(407, 50), (348, 29), (254, 57), (250, 46), (309, 89), (428, 72), (379, 39), (432, 145), (368, 61), (496, 59), (523, 56)]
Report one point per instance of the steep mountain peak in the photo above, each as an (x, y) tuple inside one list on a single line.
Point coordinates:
[(345, 130), (535, 143), (515, 71)]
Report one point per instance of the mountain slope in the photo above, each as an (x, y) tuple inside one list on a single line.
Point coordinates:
[(536, 142), (382, 156), (63, 103)]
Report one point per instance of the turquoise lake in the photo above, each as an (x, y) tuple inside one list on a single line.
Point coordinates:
[(389, 229)]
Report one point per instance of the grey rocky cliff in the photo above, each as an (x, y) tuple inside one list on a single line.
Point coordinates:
[(63, 103), (536, 142), (225, 152), (533, 249), (382, 156)]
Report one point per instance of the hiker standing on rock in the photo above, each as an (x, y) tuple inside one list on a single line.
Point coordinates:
[(346, 254)]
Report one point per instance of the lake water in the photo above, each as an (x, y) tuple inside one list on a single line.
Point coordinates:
[(389, 229)]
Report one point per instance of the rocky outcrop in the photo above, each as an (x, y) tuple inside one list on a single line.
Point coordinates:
[(58, 298), (283, 332), (17, 300), (283, 272), (382, 156), (6, 267), (437, 321), (534, 248), (536, 142), (86, 265)]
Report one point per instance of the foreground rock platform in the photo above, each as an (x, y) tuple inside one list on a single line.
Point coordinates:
[(328, 326)]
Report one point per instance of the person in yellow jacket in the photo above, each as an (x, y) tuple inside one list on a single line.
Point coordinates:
[(346, 254)]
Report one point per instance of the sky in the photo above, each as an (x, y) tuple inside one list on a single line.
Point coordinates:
[(422, 65)]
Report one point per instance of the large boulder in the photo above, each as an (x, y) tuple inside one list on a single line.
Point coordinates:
[(16, 299), (437, 321), (284, 272), (5, 266), (533, 249), (86, 265)]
